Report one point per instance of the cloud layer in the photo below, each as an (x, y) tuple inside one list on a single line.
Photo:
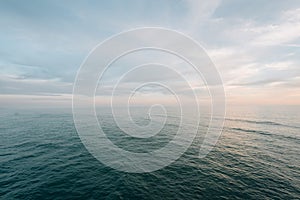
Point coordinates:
[(254, 44)]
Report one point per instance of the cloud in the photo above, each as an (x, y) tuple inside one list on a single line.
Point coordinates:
[(285, 31), (11, 84), (200, 10), (255, 45)]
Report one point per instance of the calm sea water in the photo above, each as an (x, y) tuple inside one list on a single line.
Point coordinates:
[(257, 157)]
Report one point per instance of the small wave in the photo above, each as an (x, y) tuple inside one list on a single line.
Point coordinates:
[(167, 116), (262, 122), (251, 131), (265, 133)]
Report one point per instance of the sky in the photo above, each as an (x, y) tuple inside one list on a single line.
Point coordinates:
[(255, 45)]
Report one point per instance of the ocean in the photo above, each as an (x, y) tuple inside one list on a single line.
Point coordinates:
[(256, 157)]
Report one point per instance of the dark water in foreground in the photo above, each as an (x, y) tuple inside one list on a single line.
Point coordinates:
[(257, 157)]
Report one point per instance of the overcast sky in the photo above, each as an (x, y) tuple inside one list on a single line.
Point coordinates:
[(254, 44)]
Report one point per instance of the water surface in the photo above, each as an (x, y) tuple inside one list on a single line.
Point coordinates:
[(257, 157)]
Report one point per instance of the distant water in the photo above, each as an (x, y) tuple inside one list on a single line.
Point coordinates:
[(257, 157)]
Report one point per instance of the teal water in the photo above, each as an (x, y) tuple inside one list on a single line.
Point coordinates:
[(257, 157)]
